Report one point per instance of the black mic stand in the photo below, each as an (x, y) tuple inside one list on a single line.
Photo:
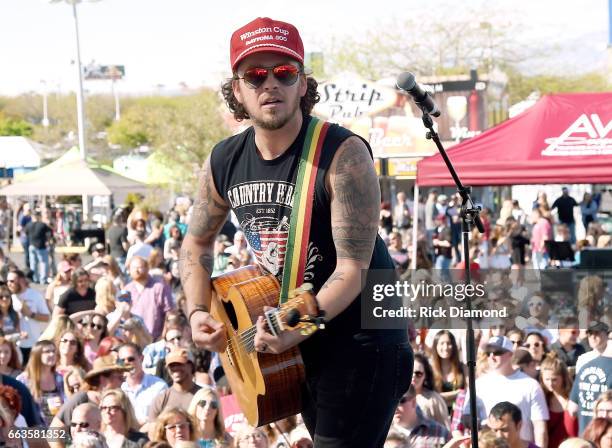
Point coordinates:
[(470, 216)]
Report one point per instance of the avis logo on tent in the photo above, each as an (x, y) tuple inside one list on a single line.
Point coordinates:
[(585, 137)]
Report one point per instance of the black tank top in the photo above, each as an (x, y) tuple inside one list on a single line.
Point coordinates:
[(260, 192)]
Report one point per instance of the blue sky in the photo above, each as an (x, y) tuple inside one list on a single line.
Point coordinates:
[(172, 41)]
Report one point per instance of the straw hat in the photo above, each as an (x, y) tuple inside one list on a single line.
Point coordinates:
[(104, 364)]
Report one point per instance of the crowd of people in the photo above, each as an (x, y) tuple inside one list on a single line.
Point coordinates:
[(103, 349)]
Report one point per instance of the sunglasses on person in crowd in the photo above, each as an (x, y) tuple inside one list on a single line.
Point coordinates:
[(286, 74), (213, 403), (79, 424), (92, 325), (69, 341), (517, 342), (495, 352), (535, 345), (126, 359)]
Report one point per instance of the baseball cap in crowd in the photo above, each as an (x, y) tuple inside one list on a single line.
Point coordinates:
[(597, 326), (499, 343), (265, 34), (179, 356), (64, 266)]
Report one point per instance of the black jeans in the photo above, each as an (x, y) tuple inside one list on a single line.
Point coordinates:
[(350, 401)]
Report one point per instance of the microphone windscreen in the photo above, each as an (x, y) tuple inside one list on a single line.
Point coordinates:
[(406, 81)]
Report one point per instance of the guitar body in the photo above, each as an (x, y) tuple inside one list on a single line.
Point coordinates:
[(267, 386)]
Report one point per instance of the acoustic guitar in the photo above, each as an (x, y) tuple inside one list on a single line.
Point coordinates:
[(267, 386)]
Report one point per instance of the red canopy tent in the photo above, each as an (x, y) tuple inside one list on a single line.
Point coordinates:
[(564, 138)]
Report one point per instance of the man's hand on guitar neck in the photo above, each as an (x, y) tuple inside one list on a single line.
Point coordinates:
[(206, 332), (266, 342)]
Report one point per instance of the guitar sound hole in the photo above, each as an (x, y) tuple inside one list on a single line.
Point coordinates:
[(231, 314)]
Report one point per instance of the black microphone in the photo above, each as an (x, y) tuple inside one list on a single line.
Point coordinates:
[(422, 98)]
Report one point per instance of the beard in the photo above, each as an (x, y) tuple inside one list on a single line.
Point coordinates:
[(274, 121)]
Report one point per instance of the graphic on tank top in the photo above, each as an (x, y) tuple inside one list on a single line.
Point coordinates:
[(263, 209)]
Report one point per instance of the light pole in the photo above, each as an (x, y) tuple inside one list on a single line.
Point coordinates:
[(45, 120)]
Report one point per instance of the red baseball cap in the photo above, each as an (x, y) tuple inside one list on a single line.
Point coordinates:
[(265, 34)]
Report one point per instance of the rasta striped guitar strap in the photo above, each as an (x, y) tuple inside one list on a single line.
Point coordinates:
[(301, 213)]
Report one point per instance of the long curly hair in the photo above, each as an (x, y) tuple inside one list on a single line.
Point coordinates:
[(307, 102)]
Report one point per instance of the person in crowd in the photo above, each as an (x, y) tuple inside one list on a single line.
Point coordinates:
[(156, 351), (6, 264), (39, 237), (94, 330), (71, 352), (42, 379), (119, 424), (205, 410), (181, 366), (157, 267), (220, 257), (591, 293), (79, 297), (592, 379), (121, 314), (278, 432), (518, 242), (73, 379), (151, 299), (141, 388), (504, 383), (556, 383), (597, 337), (96, 267), (419, 430), (516, 337), (499, 248), (522, 360), (174, 425), (133, 330), (139, 248), (449, 372), (599, 432), (175, 338), (565, 209), (398, 252), (109, 347), (536, 344), (156, 236), (401, 212), (113, 272), (89, 439), (250, 437), (442, 247), (603, 405), (505, 420), (10, 363), (105, 374), (518, 213), (588, 210), (105, 296), (59, 285), (24, 217), (31, 307), (540, 233), (116, 240), (174, 220), (539, 319), (172, 243), (9, 318), (567, 347), (429, 401), (85, 417), (10, 407)]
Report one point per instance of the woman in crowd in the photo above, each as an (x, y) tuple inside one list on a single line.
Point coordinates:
[(119, 424), (250, 437), (59, 285), (430, 402), (135, 331), (45, 384), (603, 405), (113, 272), (109, 346), (536, 344), (71, 352), (94, 330), (449, 376), (9, 319), (539, 320), (105, 295), (398, 252), (157, 267), (205, 410), (174, 241), (556, 383), (516, 336), (57, 326), (599, 432), (279, 432), (10, 362), (10, 407), (591, 292), (172, 426), (499, 249), (156, 351), (73, 379)]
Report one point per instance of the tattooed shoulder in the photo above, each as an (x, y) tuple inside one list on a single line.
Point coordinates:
[(209, 214)]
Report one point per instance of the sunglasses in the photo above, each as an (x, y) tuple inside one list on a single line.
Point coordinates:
[(176, 426), (128, 359), (79, 424), (96, 326), (517, 342), (535, 345), (496, 353), (418, 374), (69, 341), (213, 404), (111, 408), (286, 74)]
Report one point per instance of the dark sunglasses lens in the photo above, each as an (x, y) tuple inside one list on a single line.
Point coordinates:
[(287, 74), (255, 77)]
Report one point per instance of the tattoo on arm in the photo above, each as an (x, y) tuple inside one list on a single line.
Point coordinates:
[(336, 276), (186, 263), (356, 202), (208, 213), (207, 262)]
